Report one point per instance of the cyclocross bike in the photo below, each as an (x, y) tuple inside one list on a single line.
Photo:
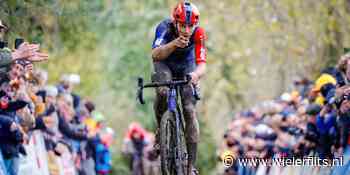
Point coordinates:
[(173, 152)]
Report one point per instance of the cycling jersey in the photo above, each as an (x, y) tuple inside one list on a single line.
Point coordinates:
[(182, 60)]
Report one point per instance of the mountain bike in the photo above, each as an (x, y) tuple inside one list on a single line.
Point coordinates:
[(173, 152)]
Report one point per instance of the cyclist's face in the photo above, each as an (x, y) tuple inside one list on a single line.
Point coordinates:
[(184, 29)]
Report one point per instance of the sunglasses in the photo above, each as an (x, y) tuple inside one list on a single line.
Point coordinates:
[(185, 28)]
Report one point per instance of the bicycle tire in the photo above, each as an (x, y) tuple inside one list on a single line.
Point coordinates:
[(172, 152), (181, 153), (167, 151)]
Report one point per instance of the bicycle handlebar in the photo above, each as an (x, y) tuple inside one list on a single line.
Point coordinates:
[(169, 83), (141, 86)]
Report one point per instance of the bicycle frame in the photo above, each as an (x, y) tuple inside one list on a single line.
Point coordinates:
[(172, 99), (174, 107)]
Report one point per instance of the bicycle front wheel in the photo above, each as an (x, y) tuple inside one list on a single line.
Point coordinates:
[(167, 144)]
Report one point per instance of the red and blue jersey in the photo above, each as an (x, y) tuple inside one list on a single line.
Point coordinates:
[(182, 60)]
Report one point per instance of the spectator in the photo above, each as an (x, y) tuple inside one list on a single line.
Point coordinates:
[(343, 69), (134, 145), (303, 86), (24, 51), (326, 125), (312, 134), (103, 155)]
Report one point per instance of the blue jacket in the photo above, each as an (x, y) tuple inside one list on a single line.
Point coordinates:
[(326, 125), (103, 159)]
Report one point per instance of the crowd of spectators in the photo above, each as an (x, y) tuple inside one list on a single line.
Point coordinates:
[(70, 124), (312, 120)]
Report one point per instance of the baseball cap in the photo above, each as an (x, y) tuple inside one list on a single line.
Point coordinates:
[(323, 80)]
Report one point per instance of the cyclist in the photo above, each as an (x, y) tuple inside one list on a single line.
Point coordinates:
[(179, 49)]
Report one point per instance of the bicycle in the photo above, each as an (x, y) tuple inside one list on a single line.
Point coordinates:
[(173, 151)]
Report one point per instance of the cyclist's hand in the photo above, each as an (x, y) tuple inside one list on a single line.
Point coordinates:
[(194, 78), (181, 41), (185, 40)]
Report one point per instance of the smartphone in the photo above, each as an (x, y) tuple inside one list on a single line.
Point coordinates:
[(18, 42), (3, 44)]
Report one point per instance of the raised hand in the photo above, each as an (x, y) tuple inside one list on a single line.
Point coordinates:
[(38, 57), (29, 52), (181, 41)]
